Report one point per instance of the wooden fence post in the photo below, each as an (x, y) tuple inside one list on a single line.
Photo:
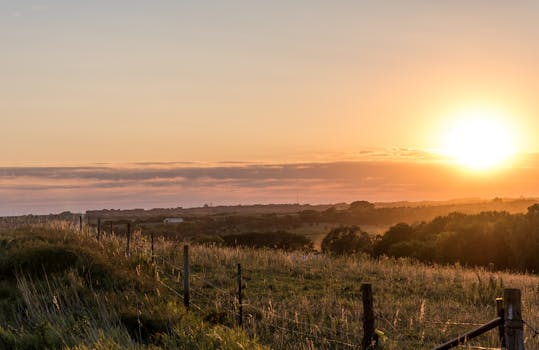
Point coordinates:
[(240, 298), (370, 340), (111, 228), (151, 239), (80, 223), (128, 241), (514, 327), (98, 230), (500, 313), (186, 276)]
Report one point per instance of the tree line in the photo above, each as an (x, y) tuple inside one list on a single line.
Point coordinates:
[(491, 239)]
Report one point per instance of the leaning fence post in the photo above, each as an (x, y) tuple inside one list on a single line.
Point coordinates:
[(500, 313), (128, 241), (98, 229), (186, 276), (240, 298), (369, 337), (514, 327)]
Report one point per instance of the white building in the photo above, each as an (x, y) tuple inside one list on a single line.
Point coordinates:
[(173, 220)]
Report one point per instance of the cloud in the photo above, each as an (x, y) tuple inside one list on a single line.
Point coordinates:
[(398, 174)]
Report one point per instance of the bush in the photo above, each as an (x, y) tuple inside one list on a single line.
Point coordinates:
[(37, 259)]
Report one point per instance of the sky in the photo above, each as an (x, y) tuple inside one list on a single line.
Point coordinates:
[(183, 84)]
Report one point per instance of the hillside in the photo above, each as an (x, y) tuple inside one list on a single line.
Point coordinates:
[(62, 288), (313, 222), (409, 211)]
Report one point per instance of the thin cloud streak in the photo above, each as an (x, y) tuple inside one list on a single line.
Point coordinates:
[(53, 189)]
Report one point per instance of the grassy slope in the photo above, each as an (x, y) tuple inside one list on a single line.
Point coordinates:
[(61, 289), (292, 300), (415, 304)]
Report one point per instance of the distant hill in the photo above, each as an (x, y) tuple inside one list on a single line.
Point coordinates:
[(395, 211)]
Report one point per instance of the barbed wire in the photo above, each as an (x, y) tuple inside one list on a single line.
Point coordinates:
[(174, 291), (448, 322), (380, 315), (198, 294), (213, 302), (453, 323), (275, 316), (315, 328), (329, 340), (200, 279), (223, 291), (215, 287), (195, 305), (306, 325), (535, 332)]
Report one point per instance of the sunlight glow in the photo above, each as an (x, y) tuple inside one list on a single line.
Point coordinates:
[(479, 140)]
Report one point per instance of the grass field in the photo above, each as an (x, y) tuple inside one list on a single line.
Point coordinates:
[(63, 288)]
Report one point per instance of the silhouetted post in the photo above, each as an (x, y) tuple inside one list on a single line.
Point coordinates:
[(500, 313), (98, 229), (128, 243), (514, 327), (111, 228), (369, 337), (80, 223), (186, 276), (151, 240), (240, 298)]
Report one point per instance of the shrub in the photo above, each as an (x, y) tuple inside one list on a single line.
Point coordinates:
[(37, 259)]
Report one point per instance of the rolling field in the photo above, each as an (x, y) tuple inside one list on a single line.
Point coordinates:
[(63, 287)]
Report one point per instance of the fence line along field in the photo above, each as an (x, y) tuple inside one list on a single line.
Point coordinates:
[(64, 287)]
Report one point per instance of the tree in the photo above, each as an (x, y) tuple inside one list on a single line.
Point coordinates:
[(396, 234), (361, 205), (347, 240), (276, 240)]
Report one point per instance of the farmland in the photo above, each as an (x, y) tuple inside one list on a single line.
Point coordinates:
[(63, 288)]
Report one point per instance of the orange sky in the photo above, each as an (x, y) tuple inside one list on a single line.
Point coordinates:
[(259, 82), (190, 81), (375, 176)]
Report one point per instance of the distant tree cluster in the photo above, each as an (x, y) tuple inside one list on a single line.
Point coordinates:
[(490, 238), (275, 240), (347, 240)]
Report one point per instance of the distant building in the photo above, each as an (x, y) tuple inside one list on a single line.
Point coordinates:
[(173, 220)]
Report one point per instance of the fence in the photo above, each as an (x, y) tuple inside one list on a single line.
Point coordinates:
[(508, 320)]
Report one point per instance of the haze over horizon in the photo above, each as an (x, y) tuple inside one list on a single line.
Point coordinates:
[(116, 104)]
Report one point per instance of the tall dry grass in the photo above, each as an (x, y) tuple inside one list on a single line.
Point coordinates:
[(312, 301)]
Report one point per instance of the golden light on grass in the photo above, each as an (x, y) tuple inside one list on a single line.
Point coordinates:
[(479, 140)]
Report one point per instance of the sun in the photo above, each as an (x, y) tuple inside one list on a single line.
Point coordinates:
[(479, 141)]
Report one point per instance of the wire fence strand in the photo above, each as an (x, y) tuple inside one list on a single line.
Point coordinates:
[(270, 317)]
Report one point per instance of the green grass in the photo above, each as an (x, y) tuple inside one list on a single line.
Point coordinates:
[(63, 290), (102, 299), (297, 300)]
